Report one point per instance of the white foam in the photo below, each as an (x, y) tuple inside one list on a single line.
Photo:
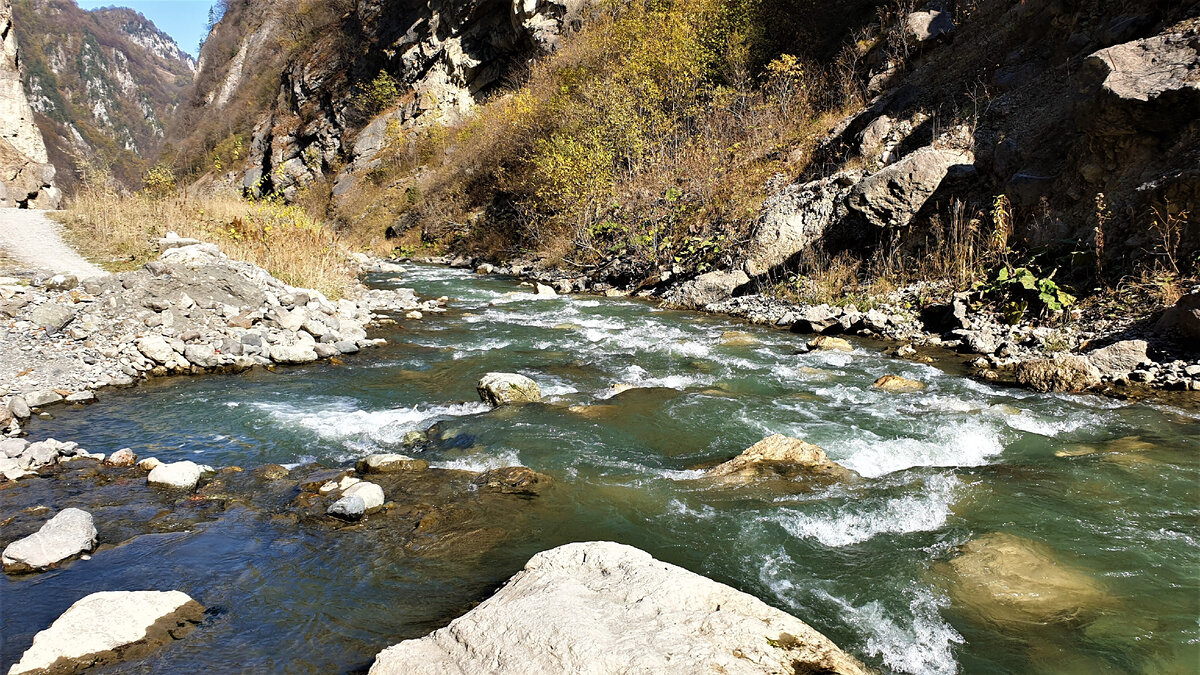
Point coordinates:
[(922, 644), (859, 521), (951, 444), (1028, 422), (334, 421), (481, 461)]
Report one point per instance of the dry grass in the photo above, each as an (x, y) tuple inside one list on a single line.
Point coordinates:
[(123, 229)]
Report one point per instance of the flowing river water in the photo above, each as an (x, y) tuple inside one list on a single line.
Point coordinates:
[(1111, 488)]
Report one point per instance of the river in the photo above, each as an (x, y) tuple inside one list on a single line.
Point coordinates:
[(1113, 489)]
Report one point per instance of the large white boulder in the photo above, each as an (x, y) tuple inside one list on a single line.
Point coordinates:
[(101, 627), (67, 534), (602, 607), (499, 389), (182, 475)]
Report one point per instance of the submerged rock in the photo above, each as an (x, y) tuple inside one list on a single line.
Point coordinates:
[(1065, 372), (497, 389), (602, 607), (390, 463), (898, 385), (108, 627), (351, 507), (1011, 581), (780, 455), (513, 480), (64, 536)]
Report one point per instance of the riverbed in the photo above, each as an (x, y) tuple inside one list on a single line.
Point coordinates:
[(1112, 488)]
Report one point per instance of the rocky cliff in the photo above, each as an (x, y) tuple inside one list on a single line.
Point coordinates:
[(293, 81), (103, 85), (26, 177)]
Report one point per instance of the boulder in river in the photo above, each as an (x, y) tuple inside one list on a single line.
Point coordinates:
[(706, 289), (350, 507), (780, 455), (512, 480), (898, 385), (826, 343), (182, 475), (1011, 581), (66, 535), (602, 607), (390, 463), (122, 457), (370, 493), (499, 389), (1064, 372), (107, 627)]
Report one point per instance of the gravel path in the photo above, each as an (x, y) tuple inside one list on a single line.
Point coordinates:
[(29, 239)]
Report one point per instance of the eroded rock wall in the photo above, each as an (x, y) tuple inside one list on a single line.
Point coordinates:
[(26, 177)]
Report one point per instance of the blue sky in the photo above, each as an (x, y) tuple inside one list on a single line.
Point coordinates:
[(184, 20)]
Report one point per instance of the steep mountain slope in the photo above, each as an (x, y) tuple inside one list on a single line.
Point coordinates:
[(25, 176), (104, 85), (282, 86)]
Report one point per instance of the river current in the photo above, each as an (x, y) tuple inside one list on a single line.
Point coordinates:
[(1112, 488)]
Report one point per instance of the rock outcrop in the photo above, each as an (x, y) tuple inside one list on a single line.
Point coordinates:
[(603, 607), (780, 455), (497, 389), (108, 627), (26, 176), (68, 534), (1064, 372), (706, 289)]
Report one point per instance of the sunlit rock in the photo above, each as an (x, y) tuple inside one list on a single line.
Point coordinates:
[(898, 385), (601, 607), (499, 389), (780, 455), (64, 536)]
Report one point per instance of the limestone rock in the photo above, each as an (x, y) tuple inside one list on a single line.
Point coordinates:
[(107, 627), (706, 289), (1009, 580), (601, 607), (1143, 70), (293, 354), (499, 389), (52, 316), (893, 196), (897, 384), (512, 480), (390, 463), (826, 343), (1064, 372), (42, 398), (780, 455), (19, 407), (370, 494), (156, 347), (544, 290), (67, 534), (181, 475), (122, 457), (1119, 358), (350, 507), (794, 217), (923, 26)]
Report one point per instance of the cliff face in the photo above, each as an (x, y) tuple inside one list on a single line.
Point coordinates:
[(294, 80), (26, 178), (103, 85)]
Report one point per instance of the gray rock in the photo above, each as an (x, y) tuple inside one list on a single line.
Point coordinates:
[(1183, 319), (81, 397), (122, 457), (155, 347), (923, 26), (180, 475), (1064, 372), (324, 351), (52, 316), (602, 607), (894, 195), (61, 282), (204, 356), (370, 494), (294, 353), (67, 534), (45, 397), (1119, 358), (12, 447), (102, 628), (793, 218), (19, 407), (977, 341), (351, 507), (499, 389), (346, 347), (706, 289), (390, 463), (817, 319), (1143, 70)]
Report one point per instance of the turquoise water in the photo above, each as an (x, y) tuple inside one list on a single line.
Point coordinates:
[(859, 562)]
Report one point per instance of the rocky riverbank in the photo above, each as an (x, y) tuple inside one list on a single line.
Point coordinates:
[(1125, 355), (193, 310)]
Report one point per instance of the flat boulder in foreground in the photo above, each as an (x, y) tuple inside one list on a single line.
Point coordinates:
[(602, 607), (107, 627)]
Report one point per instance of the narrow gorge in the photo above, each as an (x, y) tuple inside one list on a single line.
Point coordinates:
[(765, 336)]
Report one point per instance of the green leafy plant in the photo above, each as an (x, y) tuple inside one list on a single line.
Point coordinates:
[(1020, 289)]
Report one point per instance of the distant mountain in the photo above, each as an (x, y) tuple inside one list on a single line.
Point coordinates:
[(103, 84)]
